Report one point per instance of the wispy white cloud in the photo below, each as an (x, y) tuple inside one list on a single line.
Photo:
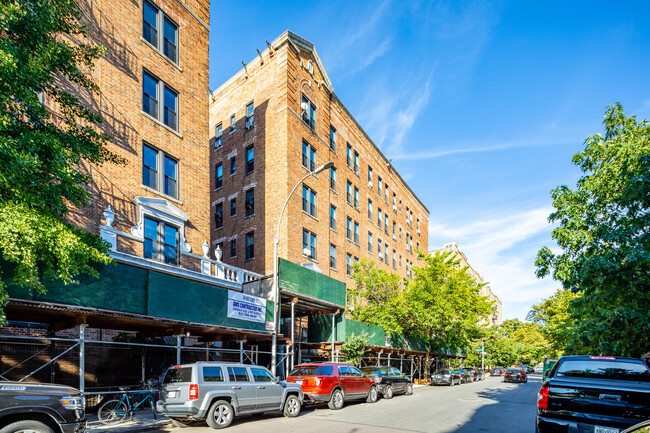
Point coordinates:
[(502, 249)]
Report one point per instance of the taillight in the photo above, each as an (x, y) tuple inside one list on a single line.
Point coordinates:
[(542, 398), (520, 375), (194, 392), (377, 379)]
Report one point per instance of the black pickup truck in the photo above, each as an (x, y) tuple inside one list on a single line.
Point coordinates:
[(41, 408), (593, 394)]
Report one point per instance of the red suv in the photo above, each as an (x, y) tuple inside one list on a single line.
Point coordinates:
[(333, 383)]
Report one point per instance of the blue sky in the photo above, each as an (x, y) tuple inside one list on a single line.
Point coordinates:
[(481, 105)]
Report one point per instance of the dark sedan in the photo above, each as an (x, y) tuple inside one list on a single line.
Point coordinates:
[(463, 376), (515, 375), (470, 372), (496, 372), (445, 376), (389, 380)]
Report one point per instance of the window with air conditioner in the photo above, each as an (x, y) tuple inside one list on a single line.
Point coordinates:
[(250, 116)]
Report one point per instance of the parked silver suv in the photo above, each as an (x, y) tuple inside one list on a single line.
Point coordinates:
[(218, 391)]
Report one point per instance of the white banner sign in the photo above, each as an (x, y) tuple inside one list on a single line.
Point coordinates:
[(246, 307)]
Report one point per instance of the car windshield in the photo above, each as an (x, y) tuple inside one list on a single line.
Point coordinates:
[(513, 371), (312, 370), (441, 372), (617, 370)]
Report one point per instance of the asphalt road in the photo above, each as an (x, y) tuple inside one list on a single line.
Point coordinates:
[(489, 406)]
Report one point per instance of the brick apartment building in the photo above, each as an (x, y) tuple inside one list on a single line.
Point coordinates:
[(272, 123)]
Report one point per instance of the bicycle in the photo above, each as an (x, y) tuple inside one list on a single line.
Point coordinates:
[(114, 411)]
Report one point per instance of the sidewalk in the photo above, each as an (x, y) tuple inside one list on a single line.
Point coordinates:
[(142, 421)]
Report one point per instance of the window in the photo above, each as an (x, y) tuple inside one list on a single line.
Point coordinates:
[(332, 138), (233, 207), (308, 156), (418, 225), (309, 243), (417, 248), (249, 203), (333, 178), (233, 124), (400, 261), (379, 249), (379, 217), (309, 200), (161, 242), (356, 162), (233, 248), (369, 243), (250, 159), (369, 177), (238, 374), (233, 166), (218, 137), (250, 116), (386, 193), (394, 231), (348, 263), (394, 202), (349, 192), (212, 374), (154, 178), (394, 259), (332, 256), (153, 91), (356, 233), (260, 375), (308, 113), (356, 198), (332, 217), (379, 190), (370, 209), (386, 223), (348, 229), (348, 155), (218, 216), (218, 176), (386, 253), (152, 18), (250, 245)]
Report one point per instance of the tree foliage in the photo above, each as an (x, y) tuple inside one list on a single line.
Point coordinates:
[(556, 323), (41, 152), (354, 348), (441, 303), (605, 239)]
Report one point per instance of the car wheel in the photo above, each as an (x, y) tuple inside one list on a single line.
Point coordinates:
[(27, 426), (220, 414), (181, 422), (409, 389), (291, 406), (336, 401), (373, 395), (388, 394)]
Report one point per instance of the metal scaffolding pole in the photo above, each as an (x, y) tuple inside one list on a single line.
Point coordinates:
[(293, 329), (333, 333), (178, 349), (82, 357)]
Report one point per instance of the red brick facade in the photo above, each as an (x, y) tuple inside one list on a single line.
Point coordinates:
[(118, 26), (276, 83)]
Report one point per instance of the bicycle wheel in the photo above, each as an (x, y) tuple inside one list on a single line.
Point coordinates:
[(112, 412)]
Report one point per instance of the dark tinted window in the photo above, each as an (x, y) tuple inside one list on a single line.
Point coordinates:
[(372, 370), (312, 370), (514, 371), (212, 374), (355, 371), (178, 375), (344, 371), (441, 372), (260, 375), (617, 370), (238, 374)]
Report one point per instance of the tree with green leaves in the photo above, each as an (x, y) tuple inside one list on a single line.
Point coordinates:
[(556, 323), (605, 239), (378, 297), (354, 348), (445, 303), (41, 152)]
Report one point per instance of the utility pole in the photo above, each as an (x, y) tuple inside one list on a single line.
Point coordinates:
[(483, 355)]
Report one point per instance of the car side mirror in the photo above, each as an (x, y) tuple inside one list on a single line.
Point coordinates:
[(277, 379)]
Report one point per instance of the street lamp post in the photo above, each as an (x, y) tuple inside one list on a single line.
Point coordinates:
[(276, 291)]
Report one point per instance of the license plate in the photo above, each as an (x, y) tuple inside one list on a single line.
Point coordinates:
[(171, 394), (599, 429)]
